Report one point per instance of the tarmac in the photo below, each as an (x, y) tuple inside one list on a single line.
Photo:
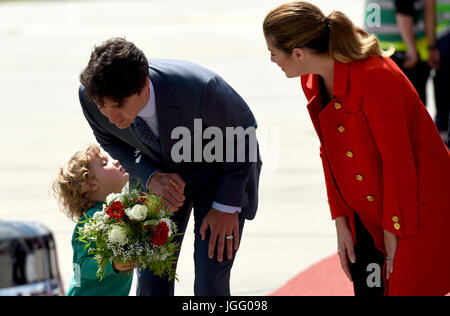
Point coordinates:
[(46, 44)]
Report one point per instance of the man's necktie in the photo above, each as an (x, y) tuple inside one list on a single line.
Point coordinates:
[(146, 135)]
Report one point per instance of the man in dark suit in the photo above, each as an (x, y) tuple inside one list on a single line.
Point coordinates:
[(138, 109)]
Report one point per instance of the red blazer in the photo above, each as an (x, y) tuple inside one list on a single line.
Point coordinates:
[(384, 159)]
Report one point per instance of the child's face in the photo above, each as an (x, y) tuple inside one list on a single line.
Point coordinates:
[(111, 176)]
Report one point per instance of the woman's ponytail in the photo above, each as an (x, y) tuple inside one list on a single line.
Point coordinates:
[(349, 42), (301, 24)]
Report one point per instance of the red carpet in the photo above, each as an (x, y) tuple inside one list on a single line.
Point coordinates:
[(325, 278)]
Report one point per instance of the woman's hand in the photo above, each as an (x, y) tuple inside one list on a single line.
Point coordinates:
[(346, 248), (390, 245)]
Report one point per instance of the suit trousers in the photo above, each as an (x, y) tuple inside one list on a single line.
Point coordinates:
[(212, 278), (417, 75), (367, 271), (441, 82)]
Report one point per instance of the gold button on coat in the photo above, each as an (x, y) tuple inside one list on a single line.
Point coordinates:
[(341, 129), (359, 177), (349, 154), (395, 219), (337, 106), (370, 198), (397, 226)]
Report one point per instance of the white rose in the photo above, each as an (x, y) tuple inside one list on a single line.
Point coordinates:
[(138, 212), (118, 235), (114, 197), (111, 198)]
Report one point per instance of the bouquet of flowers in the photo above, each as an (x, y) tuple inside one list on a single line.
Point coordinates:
[(134, 227)]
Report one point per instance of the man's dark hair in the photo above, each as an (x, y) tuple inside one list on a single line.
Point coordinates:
[(117, 69)]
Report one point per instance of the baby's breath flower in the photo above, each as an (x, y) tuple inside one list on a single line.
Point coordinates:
[(118, 235)]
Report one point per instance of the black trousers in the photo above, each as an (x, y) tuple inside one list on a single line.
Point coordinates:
[(417, 75), (212, 278), (441, 84), (367, 271)]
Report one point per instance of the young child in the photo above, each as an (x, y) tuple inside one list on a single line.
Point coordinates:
[(81, 187)]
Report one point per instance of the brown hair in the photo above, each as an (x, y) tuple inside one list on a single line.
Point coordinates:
[(301, 24), (116, 70), (68, 186)]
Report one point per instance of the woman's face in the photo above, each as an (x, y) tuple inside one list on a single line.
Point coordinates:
[(290, 64)]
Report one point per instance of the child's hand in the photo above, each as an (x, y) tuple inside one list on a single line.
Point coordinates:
[(123, 267)]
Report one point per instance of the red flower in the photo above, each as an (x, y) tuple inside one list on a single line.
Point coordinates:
[(160, 234), (116, 210)]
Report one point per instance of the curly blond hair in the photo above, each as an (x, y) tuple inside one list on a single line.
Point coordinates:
[(69, 184)]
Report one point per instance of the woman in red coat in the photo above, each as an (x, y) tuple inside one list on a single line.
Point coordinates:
[(387, 171)]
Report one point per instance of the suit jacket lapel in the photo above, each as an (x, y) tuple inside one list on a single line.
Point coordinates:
[(311, 88), (167, 111), (140, 145), (341, 78)]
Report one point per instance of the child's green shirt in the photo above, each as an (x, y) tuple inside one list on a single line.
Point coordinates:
[(85, 282)]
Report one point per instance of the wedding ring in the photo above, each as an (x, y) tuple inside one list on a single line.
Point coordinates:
[(229, 237), (388, 259)]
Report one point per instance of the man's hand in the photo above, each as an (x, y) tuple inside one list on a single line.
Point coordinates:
[(222, 225), (390, 245), (171, 187)]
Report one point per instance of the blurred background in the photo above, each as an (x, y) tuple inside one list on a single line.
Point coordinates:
[(44, 45)]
